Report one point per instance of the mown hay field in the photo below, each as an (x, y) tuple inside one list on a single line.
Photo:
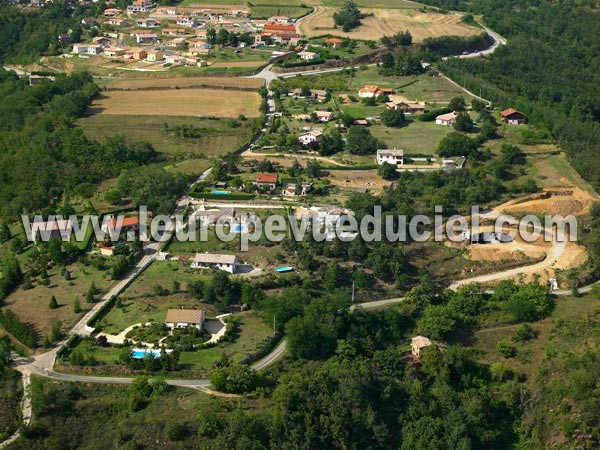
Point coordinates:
[(179, 102), (388, 21)]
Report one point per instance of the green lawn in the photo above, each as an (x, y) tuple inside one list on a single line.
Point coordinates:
[(417, 137), (140, 305), (217, 137), (394, 4), (360, 111)]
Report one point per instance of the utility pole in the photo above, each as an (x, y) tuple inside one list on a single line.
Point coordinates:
[(352, 291)]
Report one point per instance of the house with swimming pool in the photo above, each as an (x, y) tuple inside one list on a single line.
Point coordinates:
[(228, 263), (183, 318)]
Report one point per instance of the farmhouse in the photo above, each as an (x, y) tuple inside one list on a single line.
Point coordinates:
[(446, 120), (177, 43), (369, 91), (333, 42), (408, 108), (275, 27), (324, 116), (172, 58), (310, 138), (88, 22), (418, 343), (139, 6), (183, 318), (394, 157), (149, 38), (214, 216), (512, 116), (227, 263), (282, 38), (308, 56), (293, 188), (266, 181)]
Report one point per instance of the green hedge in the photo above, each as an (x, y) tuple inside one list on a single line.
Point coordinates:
[(313, 62), (431, 115), (363, 167)]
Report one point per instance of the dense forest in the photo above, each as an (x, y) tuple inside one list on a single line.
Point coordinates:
[(549, 69)]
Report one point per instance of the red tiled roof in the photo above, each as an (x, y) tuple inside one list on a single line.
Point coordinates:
[(279, 27), (510, 111), (127, 221), (266, 178)]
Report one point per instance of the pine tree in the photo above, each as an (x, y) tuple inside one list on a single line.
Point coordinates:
[(76, 306), (89, 296), (53, 303)]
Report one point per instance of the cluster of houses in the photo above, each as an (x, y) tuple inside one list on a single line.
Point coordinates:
[(269, 182), (184, 40)]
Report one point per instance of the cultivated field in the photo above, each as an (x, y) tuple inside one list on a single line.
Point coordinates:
[(186, 82), (179, 102), (388, 21)]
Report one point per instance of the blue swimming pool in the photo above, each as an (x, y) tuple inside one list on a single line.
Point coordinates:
[(284, 269), (140, 353), (220, 192)]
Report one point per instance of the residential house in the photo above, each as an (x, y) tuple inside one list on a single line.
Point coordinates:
[(333, 42), (154, 56), (89, 22), (240, 13), (173, 31), (215, 216), (101, 40), (512, 116), (201, 34), (418, 343), (446, 119), (319, 94), (394, 157), (64, 38), (112, 12), (114, 51), (385, 91), (149, 38), (203, 49), (87, 49), (324, 116), (362, 122), (266, 181), (308, 56), (139, 6), (37, 3), (177, 43), (147, 23), (117, 22), (281, 38), (312, 138), (227, 263), (397, 103), (368, 91), (172, 59), (187, 21), (293, 188), (183, 318), (120, 224), (280, 19), (136, 53)]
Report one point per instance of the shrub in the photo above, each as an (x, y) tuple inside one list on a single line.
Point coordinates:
[(505, 349)]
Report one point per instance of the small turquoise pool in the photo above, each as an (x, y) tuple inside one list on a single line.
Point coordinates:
[(220, 192), (140, 353), (284, 269)]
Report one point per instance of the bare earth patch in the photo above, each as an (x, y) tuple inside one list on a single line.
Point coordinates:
[(560, 200), (179, 102), (388, 21)]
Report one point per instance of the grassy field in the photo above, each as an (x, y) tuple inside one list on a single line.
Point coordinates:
[(388, 21), (416, 137), (178, 102), (185, 155), (392, 4), (266, 11), (421, 88), (32, 305), (185, 82)]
